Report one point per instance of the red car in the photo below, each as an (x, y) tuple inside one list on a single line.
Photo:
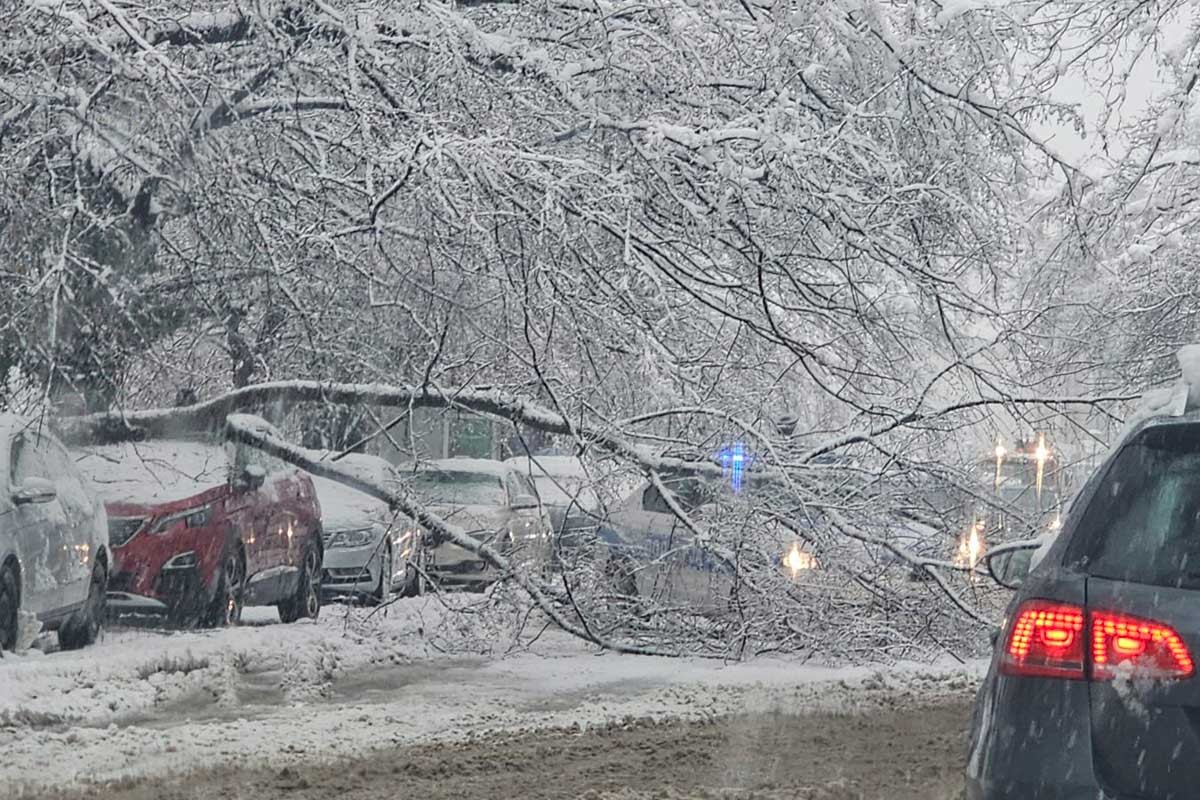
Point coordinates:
[(198, 530)]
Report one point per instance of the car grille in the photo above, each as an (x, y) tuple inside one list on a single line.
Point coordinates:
[(122, 529)]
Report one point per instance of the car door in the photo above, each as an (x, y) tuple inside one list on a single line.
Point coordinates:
[(246, 509), (283, 502), (534, 521), (79, 510), (43, 543)]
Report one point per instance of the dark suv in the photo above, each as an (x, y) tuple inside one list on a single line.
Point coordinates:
[(1092, 691), (199, 529)]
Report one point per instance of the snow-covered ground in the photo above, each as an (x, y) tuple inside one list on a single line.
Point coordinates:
[(144, 702)]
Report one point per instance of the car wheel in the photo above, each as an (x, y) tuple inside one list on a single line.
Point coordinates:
[(620, 573), (386, 568), (305, 603), (9, 605), (227, 602), (415, 582), (83, 627)]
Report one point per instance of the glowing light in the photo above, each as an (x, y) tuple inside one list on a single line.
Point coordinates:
[(1000, 452), (798, 560), (971, 547), (735, 459), (1041, 454)]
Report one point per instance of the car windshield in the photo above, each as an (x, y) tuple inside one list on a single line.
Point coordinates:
[(1143, 524), (564, 491), (455, 487)]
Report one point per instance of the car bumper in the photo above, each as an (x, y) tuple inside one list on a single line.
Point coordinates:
[(352, 570), (1031, 739), (1026, 790), (449, 563), (126, 603), (171, 589)]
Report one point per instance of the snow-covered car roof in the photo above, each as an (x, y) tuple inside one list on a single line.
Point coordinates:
[(487, 466), (362, 465), (557, 466), (343, 507), (160, 471)]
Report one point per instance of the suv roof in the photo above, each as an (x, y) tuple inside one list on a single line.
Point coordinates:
[(557, 466), (488, 466), (153, 472)]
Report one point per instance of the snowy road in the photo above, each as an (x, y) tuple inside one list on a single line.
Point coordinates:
[(149, 705)]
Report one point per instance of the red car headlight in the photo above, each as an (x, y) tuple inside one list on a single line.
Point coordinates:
[(196, 517)]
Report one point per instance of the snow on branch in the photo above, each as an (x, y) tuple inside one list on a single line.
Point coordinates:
[(198, 28), (210, 414)]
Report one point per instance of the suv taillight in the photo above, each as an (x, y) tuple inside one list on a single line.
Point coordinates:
[(1152, 650), (1047, 639)]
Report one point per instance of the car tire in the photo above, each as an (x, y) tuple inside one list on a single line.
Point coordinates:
[(10, 604), (386, 568), (620, 574), (305, 602), (83, 627), (225, 609), (415, 581)]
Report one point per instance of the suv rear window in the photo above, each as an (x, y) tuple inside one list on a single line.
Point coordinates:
[(1143, 522)]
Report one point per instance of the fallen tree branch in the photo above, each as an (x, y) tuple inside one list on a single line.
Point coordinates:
[(250, 430)]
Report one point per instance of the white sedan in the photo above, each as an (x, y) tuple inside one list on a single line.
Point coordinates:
[(369, 551)]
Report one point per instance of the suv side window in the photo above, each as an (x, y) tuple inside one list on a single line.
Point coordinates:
[(71, 492), (27, 460), (689, 493), (652, 500), (512, 485), (244, 456), (525, 486)]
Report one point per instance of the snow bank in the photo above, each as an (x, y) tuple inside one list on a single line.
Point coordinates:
[(147, 703)]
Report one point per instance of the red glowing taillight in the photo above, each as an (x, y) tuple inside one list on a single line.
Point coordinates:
[(1151, 649), (1047, 639)]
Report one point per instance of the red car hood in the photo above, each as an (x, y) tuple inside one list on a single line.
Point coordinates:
[(128, 508)]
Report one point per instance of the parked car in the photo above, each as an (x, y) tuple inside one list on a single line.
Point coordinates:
[(567, 493), (1092, 689), (369, 550), (54, 556), (493, 501), (200, 529), (650, 552), (643, 534)]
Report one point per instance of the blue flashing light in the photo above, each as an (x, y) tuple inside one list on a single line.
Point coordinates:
[(734, 460)]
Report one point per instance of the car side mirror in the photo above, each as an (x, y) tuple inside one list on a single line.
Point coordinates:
[(524, 502), (34, 490), (252, 477), (1010, 564)]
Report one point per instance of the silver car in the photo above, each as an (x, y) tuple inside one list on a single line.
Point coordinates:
[(369, 550), (53, 539), (493, 502)]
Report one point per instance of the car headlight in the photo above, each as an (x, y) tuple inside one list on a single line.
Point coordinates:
[(798, 560), (526, 528), (408, 539), (196, 517), (359, 537)]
